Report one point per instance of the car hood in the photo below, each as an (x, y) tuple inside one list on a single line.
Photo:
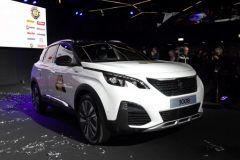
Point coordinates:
[(150, 68)]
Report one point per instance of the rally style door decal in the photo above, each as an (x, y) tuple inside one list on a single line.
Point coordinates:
[(60, 84)]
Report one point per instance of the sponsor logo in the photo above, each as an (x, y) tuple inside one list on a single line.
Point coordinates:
[(29, 27), (41, 40), (31, 33), (41, 46), (35, 12), (31, 39), (41, 23), (30, 21), (40, 34), (41, 29)]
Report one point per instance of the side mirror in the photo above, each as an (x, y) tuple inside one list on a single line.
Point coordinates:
[(64, 61)]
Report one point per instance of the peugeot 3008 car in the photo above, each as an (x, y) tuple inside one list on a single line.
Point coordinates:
[(113, 88)]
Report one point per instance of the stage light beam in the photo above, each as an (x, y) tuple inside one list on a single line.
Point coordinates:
[(180, 39)]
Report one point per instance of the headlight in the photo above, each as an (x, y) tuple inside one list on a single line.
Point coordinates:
[(120, 80)]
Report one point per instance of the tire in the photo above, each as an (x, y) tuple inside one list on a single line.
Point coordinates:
[(37, 102), (92, 120)]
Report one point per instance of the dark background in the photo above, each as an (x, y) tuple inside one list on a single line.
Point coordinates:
[(16, 63)]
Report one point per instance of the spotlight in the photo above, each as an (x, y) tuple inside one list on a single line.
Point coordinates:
[(180, 39), (238, 35), (78, 13), (34, 2), (25, 1), (131, 12), (224, 98)]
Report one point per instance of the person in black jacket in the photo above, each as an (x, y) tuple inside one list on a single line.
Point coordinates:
[(183, 55)]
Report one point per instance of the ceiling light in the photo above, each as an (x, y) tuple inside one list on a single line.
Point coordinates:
[(187, 8), (238, 3), (180, 39), (78, 13), (198, 2)]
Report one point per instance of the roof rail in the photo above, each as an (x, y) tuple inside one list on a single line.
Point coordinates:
[(61, 41)]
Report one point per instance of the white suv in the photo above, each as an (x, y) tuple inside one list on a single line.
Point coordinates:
[(113, 88)]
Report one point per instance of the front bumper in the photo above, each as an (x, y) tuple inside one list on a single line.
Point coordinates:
[(125, 123), (153, 103)]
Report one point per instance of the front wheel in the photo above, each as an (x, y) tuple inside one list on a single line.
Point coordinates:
[(37, 102), (91, 120)]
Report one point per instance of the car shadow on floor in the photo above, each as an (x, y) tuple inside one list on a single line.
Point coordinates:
[(66, 124)]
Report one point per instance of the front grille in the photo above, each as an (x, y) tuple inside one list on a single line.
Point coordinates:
[(179, 113), (137, 115), (175, 87)]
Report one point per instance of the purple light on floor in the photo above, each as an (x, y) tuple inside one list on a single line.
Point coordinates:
[(224, 98)]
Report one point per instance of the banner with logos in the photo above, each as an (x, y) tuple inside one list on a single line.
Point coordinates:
[(22, 25)]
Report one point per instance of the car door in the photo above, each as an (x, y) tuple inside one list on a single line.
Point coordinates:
[(63, 84), (46, 69)]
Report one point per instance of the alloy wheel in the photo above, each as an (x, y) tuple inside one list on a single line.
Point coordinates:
[(35, 97), (88, 120)]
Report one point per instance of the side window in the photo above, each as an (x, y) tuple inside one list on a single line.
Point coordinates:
[(65, 49), (50, 54)]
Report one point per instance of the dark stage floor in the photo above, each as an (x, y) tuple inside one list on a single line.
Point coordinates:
[(26, 135)]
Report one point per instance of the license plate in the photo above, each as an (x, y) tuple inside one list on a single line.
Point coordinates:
[(183, 101)]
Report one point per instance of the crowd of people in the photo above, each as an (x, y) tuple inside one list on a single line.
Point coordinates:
[(218, 69)]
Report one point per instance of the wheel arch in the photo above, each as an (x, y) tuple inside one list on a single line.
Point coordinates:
[(87, 89)]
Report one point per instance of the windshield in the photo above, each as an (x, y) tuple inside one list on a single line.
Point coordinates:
[(110, 52)]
